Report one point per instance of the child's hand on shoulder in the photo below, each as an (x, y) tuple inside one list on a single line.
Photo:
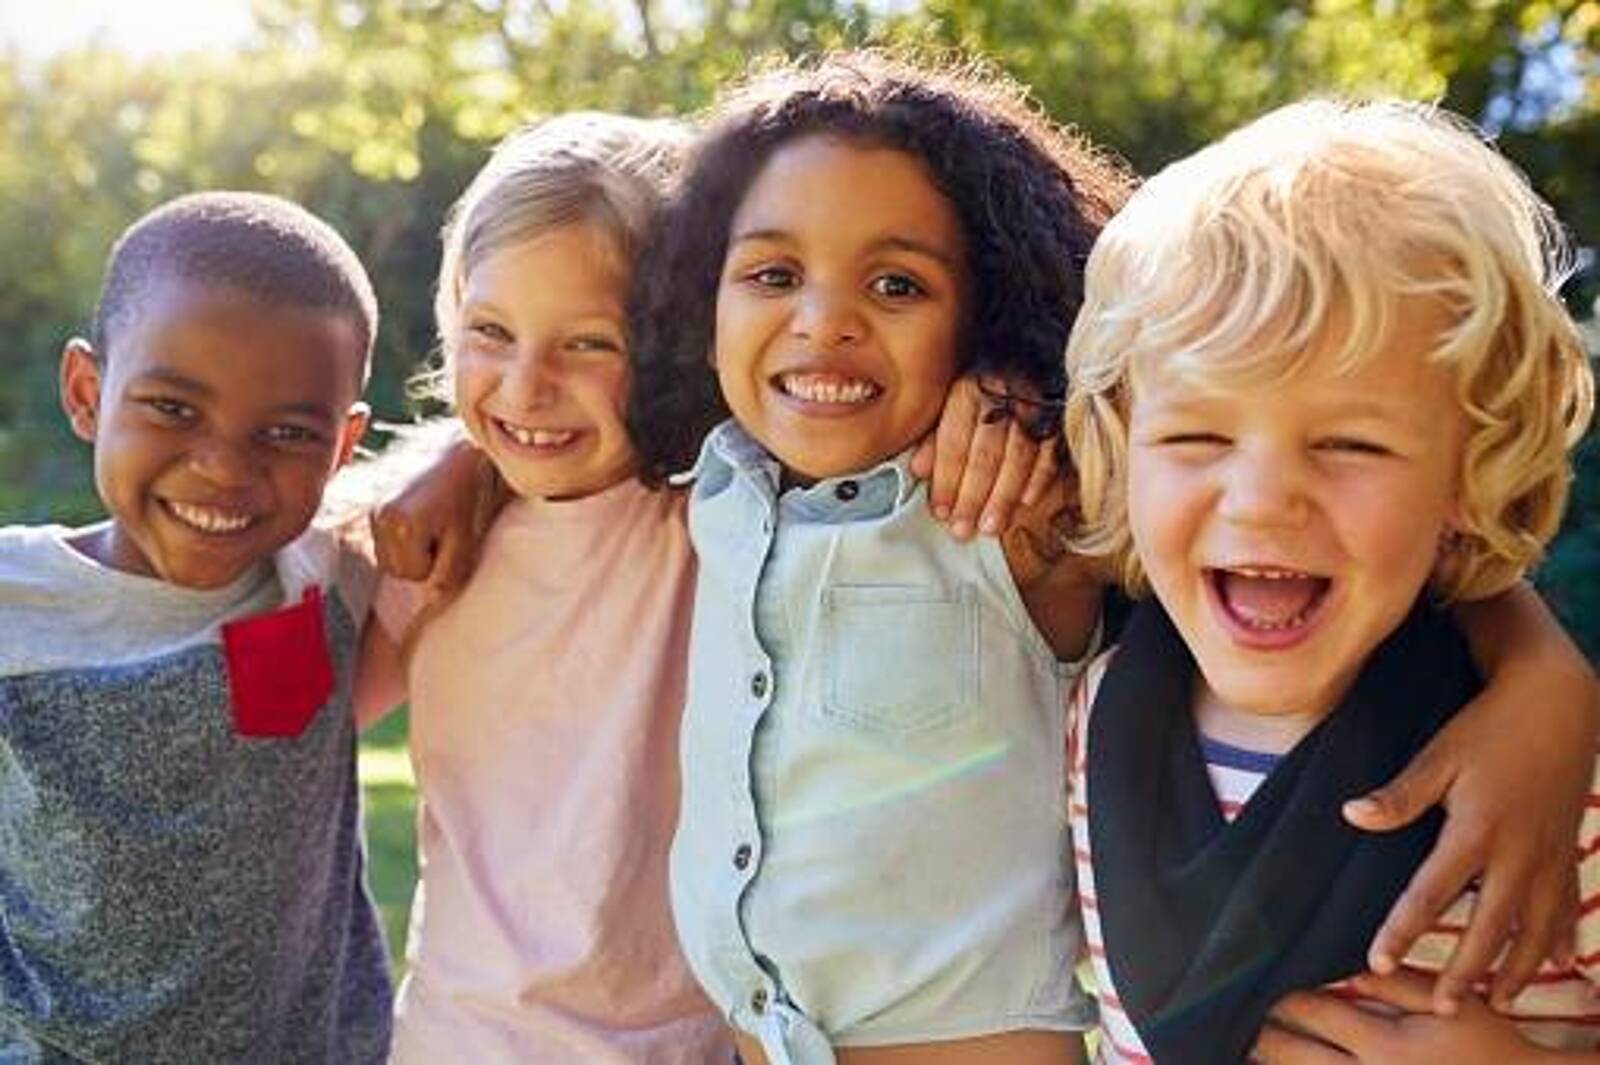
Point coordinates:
[(1320, 1028), (432, 528), (982, 460)]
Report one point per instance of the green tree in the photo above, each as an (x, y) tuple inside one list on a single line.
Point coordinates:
[(375, 113)]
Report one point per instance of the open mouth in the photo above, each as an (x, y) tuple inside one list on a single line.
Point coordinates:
[(828, 389), (213, 521), (548, 440), (1269, 605)]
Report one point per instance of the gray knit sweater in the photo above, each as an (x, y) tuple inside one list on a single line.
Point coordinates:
[(169, 889)]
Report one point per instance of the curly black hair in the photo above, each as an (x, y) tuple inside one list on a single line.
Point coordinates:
[(1031, 197)]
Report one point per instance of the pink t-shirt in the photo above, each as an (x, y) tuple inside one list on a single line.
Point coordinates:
[(545, 703)]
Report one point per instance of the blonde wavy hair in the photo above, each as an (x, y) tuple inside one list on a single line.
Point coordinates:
[(1303, 236)]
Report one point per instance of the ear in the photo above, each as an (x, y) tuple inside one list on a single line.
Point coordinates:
[(356, 420), (80, 388)]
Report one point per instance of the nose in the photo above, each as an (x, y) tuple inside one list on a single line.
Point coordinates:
[(533, 379), (1264, 486), (224, 462), (827, 317)]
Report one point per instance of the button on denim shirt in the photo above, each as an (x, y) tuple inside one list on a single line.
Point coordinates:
[(872, 846)]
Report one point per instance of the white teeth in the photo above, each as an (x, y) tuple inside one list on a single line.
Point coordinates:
[(208, 519), (539, 437), (1269, 574), (828, 388), (1270, 626)]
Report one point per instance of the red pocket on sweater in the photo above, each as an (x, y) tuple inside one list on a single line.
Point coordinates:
[(280, 671)]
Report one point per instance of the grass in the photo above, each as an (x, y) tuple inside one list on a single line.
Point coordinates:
[(388, 795)]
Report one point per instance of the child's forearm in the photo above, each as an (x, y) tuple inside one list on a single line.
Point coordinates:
[(380, 677), (1061, 590), (1516, 631)]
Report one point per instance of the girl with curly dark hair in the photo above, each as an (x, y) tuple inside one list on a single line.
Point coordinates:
[(870, 852)]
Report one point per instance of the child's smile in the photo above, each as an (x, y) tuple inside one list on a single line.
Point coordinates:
[(821, 390), (841, 305), (1268, 606)]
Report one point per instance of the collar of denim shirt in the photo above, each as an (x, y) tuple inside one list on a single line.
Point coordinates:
[(730, 452)]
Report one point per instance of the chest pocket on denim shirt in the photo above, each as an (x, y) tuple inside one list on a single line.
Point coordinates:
[(899, 659)]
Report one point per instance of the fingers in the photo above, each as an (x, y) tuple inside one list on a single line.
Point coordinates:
[(951, 443), (1435, 885), (1565, 951), (1486, 934), (1278, 1046), (1016, 467), (1325, 1021), (1421, 785), (453, 562), (402, 550), (1405, 989), (986, 452), (981, 461), (1043, 474), (1545, 927)]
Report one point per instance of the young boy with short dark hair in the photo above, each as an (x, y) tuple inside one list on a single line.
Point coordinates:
[(180, 848)]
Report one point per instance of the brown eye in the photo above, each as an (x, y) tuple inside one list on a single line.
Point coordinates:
[(593, 342), (898, 287), (778, 278), (492, 332), (292, 434), (170, 410)]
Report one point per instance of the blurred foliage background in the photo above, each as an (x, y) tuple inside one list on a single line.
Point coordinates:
[(375, 113)]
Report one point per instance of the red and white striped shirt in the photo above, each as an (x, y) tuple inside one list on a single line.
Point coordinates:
[(1559, 1009)]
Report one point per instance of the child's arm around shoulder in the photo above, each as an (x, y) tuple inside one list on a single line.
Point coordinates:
[(432, 527), (398, 609), (379, 683), (1513, 771)]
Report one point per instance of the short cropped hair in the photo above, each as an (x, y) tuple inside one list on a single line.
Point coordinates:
[(1030, 195), (265, 247), (1300, 237), (607, 170)]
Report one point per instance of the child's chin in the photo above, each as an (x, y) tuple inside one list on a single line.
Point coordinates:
[(207, 578), (556, 485), (1270, 691)]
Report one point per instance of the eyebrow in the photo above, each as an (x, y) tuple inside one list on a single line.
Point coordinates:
[(201, 390), (614, 311), (173, 379), (890, 243), (1357, 408)]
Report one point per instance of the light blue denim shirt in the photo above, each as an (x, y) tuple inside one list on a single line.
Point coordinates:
[(872, 846)]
